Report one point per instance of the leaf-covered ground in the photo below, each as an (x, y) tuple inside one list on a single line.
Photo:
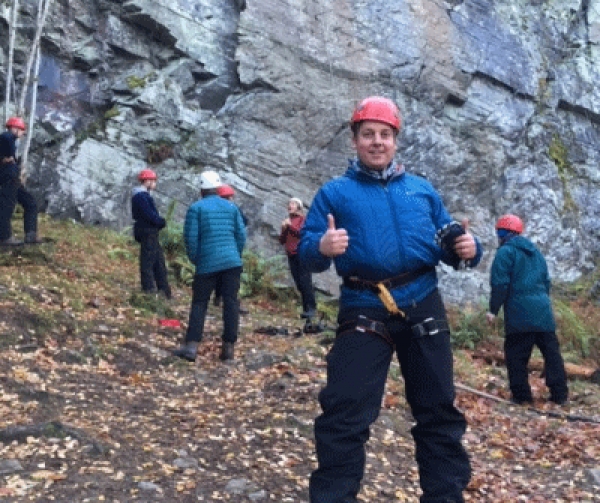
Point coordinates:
[(93, 407)]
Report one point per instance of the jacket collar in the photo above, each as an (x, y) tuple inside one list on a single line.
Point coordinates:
[(394, 170)]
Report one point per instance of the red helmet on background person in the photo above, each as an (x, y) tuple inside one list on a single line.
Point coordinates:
[(225, 191), (510, 223), (379, 109), (147, 174), (16, 122)]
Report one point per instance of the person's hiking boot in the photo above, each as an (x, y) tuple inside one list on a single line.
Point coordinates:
[(32, 238), (558, 400), (187, 351), (226, 351), (11, 241), (311, 313), (522, 401)]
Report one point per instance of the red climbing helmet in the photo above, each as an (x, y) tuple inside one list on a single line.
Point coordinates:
[(16, 122), (225, 191), (379, 109), (510, 223), (147, 174)]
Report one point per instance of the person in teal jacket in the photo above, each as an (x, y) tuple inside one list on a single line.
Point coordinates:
[(520, 284), (385, 230), (214, 235)]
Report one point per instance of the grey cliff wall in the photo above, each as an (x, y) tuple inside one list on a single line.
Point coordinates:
[(500, 102)]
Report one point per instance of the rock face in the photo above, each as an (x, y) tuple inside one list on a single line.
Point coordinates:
[(500, 105)]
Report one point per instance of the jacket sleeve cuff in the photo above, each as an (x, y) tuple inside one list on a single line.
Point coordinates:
[(478, 254)]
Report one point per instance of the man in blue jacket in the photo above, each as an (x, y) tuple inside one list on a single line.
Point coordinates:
[(520, 283), (385, 231), (12, 190), (215, 235)]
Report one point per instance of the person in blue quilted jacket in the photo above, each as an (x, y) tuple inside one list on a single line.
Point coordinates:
[(520, 284), (385, 230), (215, 236)]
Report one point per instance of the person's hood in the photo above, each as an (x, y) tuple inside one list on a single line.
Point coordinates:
[(523, 244), (138, 189)]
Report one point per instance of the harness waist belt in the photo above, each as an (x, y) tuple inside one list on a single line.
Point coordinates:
[(355, 283)]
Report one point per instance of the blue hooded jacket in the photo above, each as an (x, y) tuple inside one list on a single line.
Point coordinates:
[(214, 234), (391, 229), (521, 283)]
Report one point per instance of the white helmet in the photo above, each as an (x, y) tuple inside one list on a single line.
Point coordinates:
[(210, 180)]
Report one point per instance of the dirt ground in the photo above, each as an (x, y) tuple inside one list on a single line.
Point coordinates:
[(102, 417)]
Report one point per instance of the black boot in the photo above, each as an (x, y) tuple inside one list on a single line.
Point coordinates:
[(226, 351), (187, 351), (11, 241), (32, 238)]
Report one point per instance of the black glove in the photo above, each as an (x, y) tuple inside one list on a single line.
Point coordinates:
[(445, 238)]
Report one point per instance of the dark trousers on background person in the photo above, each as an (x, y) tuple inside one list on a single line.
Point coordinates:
[(11, 194), (303, 281), (202, 288), (357, 369), (517, 350), (153, 269)]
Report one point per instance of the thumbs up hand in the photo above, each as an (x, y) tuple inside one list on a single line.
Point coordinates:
[(335, 241), (464, 245)]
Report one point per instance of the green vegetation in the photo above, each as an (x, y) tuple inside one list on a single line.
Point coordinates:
[(574, 334), (134, 82), (159, 152), (112, 112), (559, 154), (263, 276), (469, 327)]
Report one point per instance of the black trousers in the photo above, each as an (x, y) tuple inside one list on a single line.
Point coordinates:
[(303, 281), (11, 193), (357, 369), (517, 350), (202, 288), (153, 269)]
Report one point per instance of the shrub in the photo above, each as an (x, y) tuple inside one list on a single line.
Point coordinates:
[(159, 152), (574, 334), (263, 276), (469, 327)]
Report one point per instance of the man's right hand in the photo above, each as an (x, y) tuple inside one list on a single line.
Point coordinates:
[(335, 241)]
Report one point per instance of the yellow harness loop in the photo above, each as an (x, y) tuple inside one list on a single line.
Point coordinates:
[(388, 301)]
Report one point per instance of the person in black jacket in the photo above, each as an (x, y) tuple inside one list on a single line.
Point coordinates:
[(11, 187), (148, 223)]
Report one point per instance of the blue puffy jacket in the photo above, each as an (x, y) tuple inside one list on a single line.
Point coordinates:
[(391, 228), (521, 283), (214, 234)]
